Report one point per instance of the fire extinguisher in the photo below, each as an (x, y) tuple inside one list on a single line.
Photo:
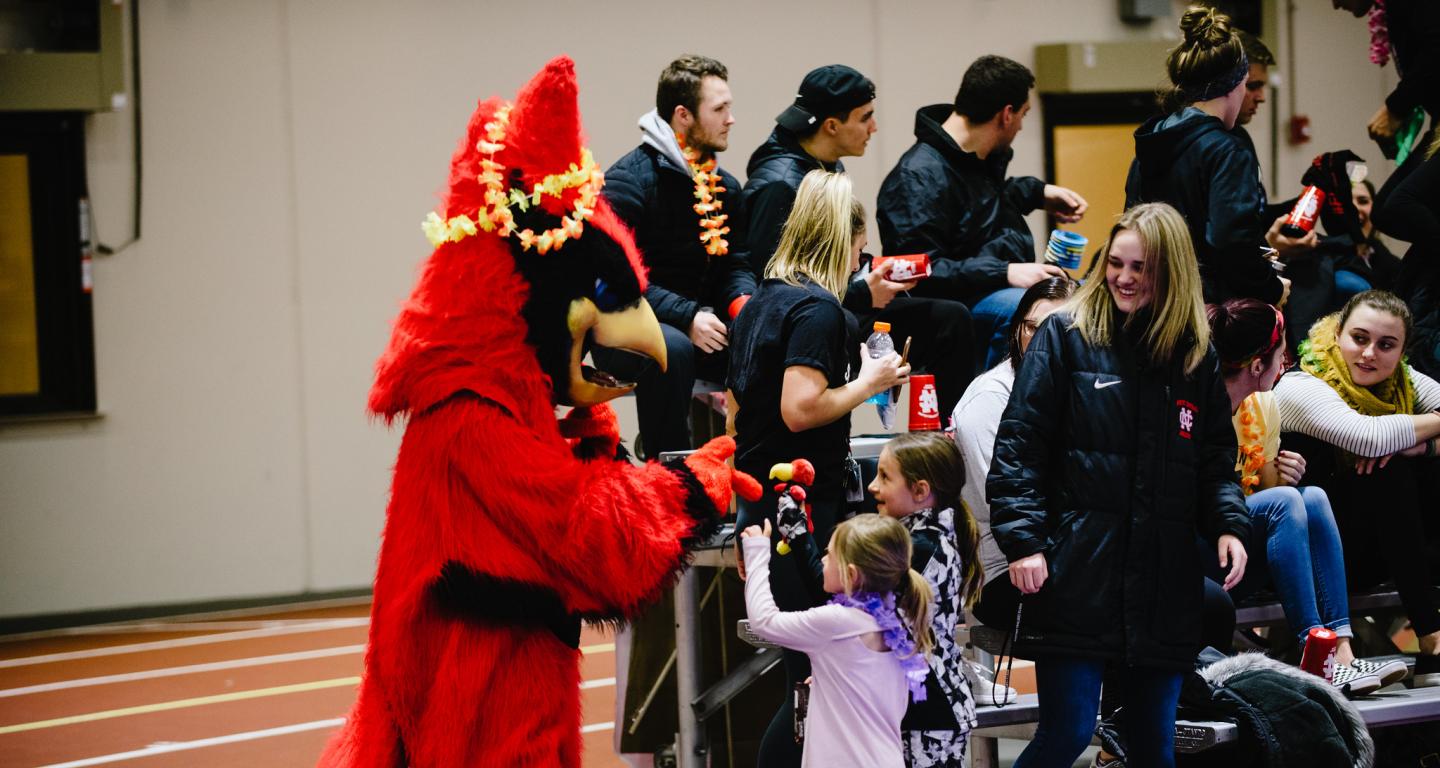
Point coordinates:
[(87, 249)]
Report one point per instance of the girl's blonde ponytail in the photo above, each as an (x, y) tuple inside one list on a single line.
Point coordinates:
[(914, 601)]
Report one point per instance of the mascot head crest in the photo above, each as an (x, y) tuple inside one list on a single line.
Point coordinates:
[(530, 268)]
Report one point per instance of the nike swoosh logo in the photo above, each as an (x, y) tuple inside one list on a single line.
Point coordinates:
[(1103, 384)]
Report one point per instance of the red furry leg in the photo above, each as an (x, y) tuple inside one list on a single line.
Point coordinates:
[(501, 698), (368, 739)]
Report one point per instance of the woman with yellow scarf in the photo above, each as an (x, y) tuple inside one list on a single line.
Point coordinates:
[(1376, 420)]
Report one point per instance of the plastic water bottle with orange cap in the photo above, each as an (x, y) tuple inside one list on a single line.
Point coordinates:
[(879, 345)]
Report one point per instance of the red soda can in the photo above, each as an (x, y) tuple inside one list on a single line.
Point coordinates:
[(1319, 658), (909, 266), (1302, 217)]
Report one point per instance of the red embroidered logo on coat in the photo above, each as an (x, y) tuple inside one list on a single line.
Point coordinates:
[(1187, 416)]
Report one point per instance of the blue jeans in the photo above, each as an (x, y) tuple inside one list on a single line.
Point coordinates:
[(1348, 284), (1070, 699), (991, 316), (1302, 555)]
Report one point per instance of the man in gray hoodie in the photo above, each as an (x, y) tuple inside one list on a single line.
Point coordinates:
[(690, 226)]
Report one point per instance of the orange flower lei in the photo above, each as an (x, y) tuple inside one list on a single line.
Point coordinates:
[(1252, 450), (495, 215), (707, 191)]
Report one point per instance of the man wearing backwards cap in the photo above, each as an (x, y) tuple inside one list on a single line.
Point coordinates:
[(948, 196), (833, 116)]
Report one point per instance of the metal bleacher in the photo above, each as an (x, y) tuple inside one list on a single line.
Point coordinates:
[(1391, 706)]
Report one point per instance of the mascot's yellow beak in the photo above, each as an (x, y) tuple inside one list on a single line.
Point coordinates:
[(633, 330)]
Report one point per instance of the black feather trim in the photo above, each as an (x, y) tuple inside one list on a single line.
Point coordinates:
[(697, 504)]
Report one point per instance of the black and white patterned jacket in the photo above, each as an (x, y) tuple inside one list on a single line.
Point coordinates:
[(949, 705)]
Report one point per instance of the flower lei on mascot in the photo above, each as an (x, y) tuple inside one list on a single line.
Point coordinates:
[(507, 527)]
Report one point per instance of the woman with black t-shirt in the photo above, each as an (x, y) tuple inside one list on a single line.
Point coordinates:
[(791, 394)]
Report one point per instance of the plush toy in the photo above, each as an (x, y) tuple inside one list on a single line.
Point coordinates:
[(792, 511), (506, 526)]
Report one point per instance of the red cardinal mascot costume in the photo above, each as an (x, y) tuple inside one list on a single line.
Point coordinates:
[(507, 527)]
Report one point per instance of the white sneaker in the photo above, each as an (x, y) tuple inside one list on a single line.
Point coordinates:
[(984, 687), (1388, 670), (1354, 682)]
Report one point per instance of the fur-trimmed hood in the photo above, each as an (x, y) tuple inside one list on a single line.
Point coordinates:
[(1225, 674)]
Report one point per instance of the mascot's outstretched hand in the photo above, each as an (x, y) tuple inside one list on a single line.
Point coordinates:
[(594, 432), (719, 478)]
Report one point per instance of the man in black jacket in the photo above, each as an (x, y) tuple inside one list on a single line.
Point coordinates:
[(689, 223), (833, 117), (948, 197)]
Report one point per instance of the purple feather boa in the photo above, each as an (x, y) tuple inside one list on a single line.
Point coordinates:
[(892, 629)]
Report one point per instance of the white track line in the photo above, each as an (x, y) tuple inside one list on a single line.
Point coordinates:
[(190, 626), (603, 682), (190, 669), (259, 610), (182, 746), (160, 645), (610, 726)]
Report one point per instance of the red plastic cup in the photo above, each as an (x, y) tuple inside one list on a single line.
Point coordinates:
[(1319, 657), (924, 403)]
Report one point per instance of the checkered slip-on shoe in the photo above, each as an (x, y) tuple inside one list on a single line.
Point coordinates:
[(1388, 670), (1354, 682)]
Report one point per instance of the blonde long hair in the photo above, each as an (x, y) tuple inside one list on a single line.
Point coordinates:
[(1177, 311), (815, 243), (880, 549)]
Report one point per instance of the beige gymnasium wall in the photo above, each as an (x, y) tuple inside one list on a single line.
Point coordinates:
[(290, 152)]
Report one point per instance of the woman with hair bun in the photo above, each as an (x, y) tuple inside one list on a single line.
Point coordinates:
[(1190, 158)]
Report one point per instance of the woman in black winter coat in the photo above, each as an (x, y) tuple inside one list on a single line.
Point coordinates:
[(1116, 448)]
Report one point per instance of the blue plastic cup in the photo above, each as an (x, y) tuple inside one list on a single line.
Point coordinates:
[(1066, 249)]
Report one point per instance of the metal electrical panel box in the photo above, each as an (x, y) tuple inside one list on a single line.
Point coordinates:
[(62, 55), (1144, 10), (1122, 67)]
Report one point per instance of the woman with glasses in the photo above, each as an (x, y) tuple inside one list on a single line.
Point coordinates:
[(977, 418)]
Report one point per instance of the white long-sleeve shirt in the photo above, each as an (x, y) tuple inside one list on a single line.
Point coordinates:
[(977, 419), (858, 696), (1310, 406)]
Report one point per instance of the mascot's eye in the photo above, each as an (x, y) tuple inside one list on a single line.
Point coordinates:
[(605, 298)]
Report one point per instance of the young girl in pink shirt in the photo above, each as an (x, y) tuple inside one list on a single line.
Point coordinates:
[(867, 658)]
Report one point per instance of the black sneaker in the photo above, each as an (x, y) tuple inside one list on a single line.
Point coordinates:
[(1427, 670)]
